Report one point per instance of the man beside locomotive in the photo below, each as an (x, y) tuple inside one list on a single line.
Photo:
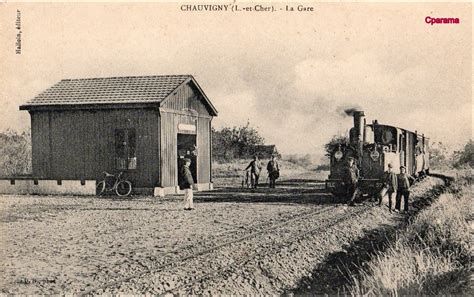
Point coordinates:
[(351, 179), (390, 186), (403, 189)]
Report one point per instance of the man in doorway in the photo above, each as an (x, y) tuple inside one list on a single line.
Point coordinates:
[(255, 167), (186, 184), (389, 186), (273, 171), (403, 189), (351, 179)]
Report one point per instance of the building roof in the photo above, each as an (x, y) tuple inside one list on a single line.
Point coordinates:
[(112, 90), (269, 148)]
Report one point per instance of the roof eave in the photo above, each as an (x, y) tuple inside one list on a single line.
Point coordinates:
[(214, 110), (128, 105)]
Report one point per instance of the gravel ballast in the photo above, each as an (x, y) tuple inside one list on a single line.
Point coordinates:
[(235, 241)]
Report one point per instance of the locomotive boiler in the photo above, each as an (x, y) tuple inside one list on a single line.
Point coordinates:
[(374, 146)]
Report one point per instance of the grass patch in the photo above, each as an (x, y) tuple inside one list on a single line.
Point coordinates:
[(429, 256)]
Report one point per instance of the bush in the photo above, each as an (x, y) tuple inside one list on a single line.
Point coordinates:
[(335, 141), (440, 156), (15, 153), (231, 143), (465, 157)]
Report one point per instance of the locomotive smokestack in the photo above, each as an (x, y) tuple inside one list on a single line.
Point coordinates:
[(359, 118), (357, 133)]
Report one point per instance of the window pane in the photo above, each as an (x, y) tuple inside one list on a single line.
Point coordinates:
[(132, 163)]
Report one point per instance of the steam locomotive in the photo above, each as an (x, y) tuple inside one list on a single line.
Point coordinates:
[(374, 146)]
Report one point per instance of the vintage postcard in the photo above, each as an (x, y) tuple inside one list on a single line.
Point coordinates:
[(236, 148)]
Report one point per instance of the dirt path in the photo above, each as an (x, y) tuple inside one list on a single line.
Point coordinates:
[(261, 241)]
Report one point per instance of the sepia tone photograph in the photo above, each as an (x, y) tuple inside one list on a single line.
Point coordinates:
[(236, 148)]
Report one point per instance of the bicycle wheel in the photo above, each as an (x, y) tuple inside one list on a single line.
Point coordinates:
[(100, 188), (124, 188)]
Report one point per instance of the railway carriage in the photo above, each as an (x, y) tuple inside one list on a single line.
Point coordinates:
[(374, 146)]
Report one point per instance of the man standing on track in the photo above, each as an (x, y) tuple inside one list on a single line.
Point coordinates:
[(389, 186), (403, 189), (186, 184), (351, 179)]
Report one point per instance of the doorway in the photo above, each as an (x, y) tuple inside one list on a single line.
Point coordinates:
[(187, 148)]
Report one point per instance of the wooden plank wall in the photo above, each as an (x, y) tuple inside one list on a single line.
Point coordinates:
[(204, 150), (187, 97), (82, 144), (40, 138), (169, 153)]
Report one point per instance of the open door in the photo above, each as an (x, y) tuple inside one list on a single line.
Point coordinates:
[(187, 149)]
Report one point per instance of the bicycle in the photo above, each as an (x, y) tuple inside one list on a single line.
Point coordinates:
[(249, 179), (246, 179), (112, 183)]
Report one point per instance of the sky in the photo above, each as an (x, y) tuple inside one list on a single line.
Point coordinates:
[(290, 74)]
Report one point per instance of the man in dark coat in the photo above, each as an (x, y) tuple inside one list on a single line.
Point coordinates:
[(186, 184), (390, 185), (273, 171), (403, 189), (351, 179), (255, 167)]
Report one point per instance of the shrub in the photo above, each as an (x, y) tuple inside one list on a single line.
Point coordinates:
[(335, 141), (231, 143), (15, 153), (465, 157), (440, 156)]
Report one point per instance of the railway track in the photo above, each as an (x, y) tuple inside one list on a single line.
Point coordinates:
[(273, 248), (235, 252), (229, 238), (233, 248)]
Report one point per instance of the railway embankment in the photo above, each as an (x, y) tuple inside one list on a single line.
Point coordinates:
[(427, 252)]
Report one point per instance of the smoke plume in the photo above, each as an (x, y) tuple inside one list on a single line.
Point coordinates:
[(349, 111)]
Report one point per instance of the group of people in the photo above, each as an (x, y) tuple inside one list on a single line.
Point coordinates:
[(392, 183), (399, 183), (254, 169)]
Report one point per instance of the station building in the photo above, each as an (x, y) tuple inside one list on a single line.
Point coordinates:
[(141, 125)]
